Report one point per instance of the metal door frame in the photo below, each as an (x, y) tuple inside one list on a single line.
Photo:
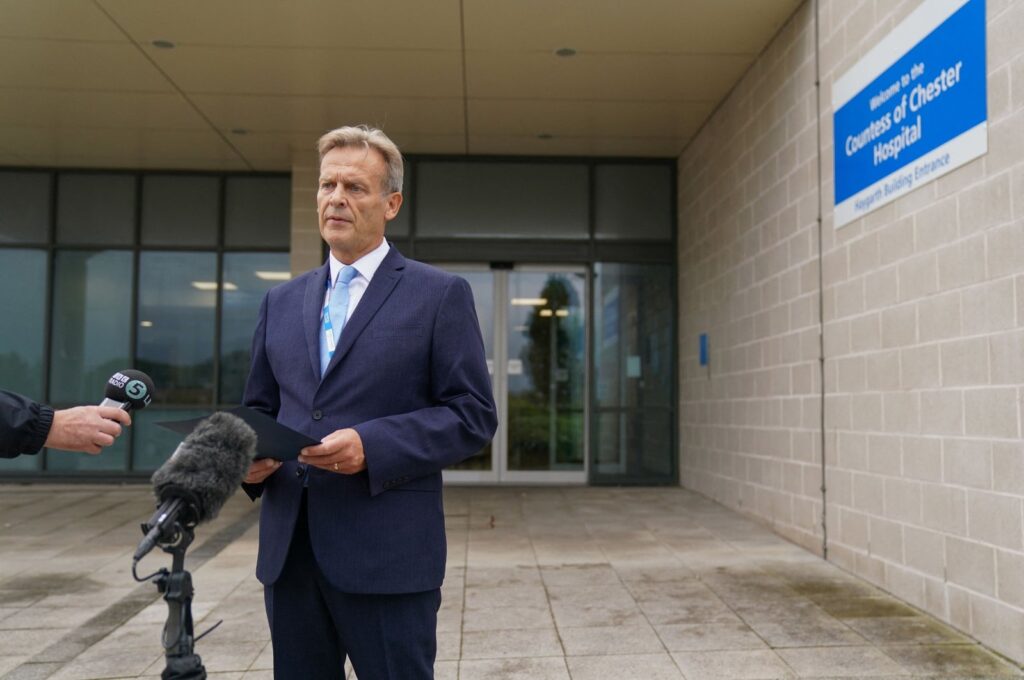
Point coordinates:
[(499, 472)]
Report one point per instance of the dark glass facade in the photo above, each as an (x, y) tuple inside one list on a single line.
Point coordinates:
[(102, 271), (164, 272)]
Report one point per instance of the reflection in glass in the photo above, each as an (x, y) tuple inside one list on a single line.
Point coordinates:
[(633, 373), (177, 306), (257, 212), (546, 370), (250, 275), (482, 283), (180, 210), (91, 337), (153, 444), (24, 207), (22, 308), (96, 208), (111, 459), (633, 202), (502, 200)]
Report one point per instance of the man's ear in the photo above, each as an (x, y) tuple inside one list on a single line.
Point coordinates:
[(394, 203)]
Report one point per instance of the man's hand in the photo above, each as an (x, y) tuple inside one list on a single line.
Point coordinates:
[(86, 428), (341, 451), (261, 469)]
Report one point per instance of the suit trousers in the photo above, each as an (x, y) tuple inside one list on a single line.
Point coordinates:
[(313, 626)]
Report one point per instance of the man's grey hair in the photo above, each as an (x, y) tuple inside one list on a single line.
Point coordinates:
[(368, 138)]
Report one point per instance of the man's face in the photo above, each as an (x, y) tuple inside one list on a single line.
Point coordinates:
[(352, 203)]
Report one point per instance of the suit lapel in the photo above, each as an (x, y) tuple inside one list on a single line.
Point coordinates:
[(381, 285), (312, 311)]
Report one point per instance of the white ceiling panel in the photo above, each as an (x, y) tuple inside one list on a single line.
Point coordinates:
[(288, 71), (370, 24), (81, 83), (277, 151), (257, 113), (62, 64), (57, 19), (144, 148), (601, 76), (646, 26), (94, 108), (586, 118), (658, 147)]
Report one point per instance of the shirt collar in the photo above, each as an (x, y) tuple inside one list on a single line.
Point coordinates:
[(367, 265)]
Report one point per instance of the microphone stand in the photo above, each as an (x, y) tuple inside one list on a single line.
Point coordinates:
[(182, 663)]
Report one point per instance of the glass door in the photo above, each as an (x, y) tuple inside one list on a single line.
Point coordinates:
[(533, 321)]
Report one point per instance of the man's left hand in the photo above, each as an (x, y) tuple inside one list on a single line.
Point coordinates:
[(341, 451)]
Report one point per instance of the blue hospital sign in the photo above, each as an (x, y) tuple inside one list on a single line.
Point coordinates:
[(912, 109)]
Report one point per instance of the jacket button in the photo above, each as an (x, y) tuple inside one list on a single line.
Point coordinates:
[(317, 414), (301, 470)]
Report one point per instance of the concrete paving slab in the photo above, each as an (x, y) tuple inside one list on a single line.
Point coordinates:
[(542, 583)]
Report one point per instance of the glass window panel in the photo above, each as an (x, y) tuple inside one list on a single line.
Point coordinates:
[(23, 309), (633, 202), (96, 208), (23, 281), (546, 367), (24, 207), (180, 210), (482, 284), (153, 444), (111, 459), (502, 200), (91, 338), (257, 212), (247, 276), (177, 304), (633, 371)]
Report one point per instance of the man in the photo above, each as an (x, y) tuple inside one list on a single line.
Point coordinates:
[(27, 426), (381, 359)]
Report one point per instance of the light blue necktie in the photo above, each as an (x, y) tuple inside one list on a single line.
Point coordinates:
[(334, 314)]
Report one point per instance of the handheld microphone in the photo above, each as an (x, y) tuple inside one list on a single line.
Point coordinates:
[(196, 481), (128, 389)]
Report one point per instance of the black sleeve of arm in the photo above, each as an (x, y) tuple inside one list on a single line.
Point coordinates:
[(24, 424)]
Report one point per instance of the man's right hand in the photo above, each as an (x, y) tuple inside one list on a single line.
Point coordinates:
[(261, 469)]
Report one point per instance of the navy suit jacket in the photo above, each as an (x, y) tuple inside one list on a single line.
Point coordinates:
[(410, 376)]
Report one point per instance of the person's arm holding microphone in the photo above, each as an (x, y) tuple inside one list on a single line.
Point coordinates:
[(26, 426)]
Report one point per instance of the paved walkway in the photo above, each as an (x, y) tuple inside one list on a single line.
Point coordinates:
[(560, 584)]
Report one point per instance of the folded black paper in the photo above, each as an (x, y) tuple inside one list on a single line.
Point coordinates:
[(273, 440)]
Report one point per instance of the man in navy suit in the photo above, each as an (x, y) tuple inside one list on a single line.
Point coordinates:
[(381, 359)]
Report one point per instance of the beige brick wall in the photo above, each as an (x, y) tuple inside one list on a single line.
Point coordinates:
[(923, 332), (748, 201)]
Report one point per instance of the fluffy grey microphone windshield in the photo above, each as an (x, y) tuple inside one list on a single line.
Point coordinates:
[(209, 465)]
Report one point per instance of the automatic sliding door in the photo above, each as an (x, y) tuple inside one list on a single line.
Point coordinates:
[(546, 375), (533, 322)]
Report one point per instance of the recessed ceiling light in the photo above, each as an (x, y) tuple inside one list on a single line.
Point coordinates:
[(274, 276), (212, 285), (565, 52), (163, 44)]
